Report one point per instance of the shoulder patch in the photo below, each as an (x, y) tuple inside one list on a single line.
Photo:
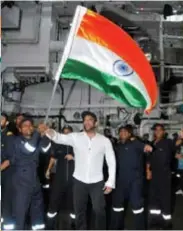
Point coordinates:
[(9, 134)]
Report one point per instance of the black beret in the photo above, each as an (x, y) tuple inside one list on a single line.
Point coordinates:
[(89, 113)]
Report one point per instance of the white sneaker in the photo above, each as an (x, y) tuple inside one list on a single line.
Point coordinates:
[(179, 192)]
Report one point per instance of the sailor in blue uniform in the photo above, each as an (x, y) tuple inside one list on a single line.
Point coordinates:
[(160, 163), (61, 191), (130, 179), (27, 191), (6, 140)]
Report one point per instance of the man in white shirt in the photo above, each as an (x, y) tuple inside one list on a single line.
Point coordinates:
[(90, 148)]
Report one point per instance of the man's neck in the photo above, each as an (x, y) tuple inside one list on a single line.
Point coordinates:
[(91, 133), (158, 139), (28, 137), (124, 141)]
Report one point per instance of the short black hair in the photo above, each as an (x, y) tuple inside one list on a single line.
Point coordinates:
[(3, 114), (128, 128), (89, 113), (158, 125), (67, 127), (120, 128), (27, 119), (175, 134)]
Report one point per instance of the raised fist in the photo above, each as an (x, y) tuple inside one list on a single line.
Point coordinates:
[(42, 128), (69, 157), (50, 133)]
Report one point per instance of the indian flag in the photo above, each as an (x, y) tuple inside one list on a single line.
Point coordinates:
[(106, 57)]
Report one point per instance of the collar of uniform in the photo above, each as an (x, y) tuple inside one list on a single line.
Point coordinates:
[(125, 142), (156, 142), (24, 138)]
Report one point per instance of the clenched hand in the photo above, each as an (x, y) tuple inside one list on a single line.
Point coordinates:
[(107, 190), (148, 148), (42, 128), (50, 133), (69, 157)]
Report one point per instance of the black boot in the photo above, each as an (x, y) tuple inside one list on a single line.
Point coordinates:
[(51, 223), (139, 221), (117, 221), (155, 222), (167, 225)]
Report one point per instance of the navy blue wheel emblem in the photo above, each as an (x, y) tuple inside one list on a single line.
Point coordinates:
[(121, 68)]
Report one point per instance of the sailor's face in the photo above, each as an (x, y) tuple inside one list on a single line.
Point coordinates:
[(124, 134), (159, 132), (19, 120), (27, 128)]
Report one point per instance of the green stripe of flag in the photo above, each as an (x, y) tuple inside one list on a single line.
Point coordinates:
[(110, 85)]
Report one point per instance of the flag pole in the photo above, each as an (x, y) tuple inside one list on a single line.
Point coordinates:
[(64, 58)]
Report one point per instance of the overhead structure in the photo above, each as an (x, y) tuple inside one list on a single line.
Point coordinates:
[(32, 52)]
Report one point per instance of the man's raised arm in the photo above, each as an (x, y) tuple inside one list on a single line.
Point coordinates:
[(59, 138)]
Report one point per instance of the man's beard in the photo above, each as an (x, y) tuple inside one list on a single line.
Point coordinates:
[(90, 129)]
